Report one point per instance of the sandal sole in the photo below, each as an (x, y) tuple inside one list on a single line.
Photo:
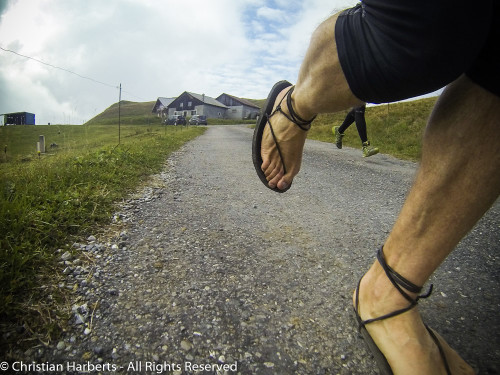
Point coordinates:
[(382, 364), (259, 131)]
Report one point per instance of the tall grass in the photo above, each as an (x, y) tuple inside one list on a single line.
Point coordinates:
[(47, 201)]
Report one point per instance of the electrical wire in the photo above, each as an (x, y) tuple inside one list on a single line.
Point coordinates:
[(67, 70)]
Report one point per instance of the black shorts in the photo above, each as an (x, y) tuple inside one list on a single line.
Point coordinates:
[(396, 49)]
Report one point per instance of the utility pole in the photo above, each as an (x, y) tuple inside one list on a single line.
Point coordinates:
[(119, 112)]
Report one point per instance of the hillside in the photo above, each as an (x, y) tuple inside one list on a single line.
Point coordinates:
[(395, 128), (258, 102), (137, 113)]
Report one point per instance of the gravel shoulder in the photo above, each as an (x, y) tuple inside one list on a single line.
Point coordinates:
[(206, 266)]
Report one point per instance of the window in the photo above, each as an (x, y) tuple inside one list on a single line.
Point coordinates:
[(182, 105), (190, 104), (193, 113)]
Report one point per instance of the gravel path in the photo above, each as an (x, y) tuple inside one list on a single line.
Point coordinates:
[(207, 267)]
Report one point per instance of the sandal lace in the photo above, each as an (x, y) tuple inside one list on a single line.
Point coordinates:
[(293, 117), (399, 283)]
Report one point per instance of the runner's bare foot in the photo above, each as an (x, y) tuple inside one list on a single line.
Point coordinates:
[(403, 339), (290, 138)]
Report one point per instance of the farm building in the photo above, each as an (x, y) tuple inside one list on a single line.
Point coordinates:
[(161, 106), (239, 108), (19, 118), (189, 104)]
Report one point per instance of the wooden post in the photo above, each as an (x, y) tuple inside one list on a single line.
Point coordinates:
[(41, 140), (119, 112)]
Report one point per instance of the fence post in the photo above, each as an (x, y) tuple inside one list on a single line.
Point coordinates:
[(41, 140)]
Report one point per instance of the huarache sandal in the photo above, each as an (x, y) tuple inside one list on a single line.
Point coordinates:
[(399, 283), (265, 118)]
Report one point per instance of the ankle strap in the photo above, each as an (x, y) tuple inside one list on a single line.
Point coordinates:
[(400, 282), (293, 117)]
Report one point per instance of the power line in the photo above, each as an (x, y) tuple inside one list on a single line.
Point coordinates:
[(66, 70), (58, 67)]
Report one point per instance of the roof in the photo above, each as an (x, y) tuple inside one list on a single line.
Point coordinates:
[(162, 103), (246, 102), (207, 99), (166, 101), (16, 113)]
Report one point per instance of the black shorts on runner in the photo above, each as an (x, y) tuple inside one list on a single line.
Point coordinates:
[(396, 49)]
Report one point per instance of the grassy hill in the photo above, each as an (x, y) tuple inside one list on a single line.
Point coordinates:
[(132, 113), (257, 102)]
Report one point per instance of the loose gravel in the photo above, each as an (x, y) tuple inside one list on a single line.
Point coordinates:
[(205, 270)]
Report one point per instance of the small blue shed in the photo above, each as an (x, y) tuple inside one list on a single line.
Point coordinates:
[(19, 118)]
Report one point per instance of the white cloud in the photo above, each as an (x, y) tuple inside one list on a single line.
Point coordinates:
[(153, 47), (271, 14)]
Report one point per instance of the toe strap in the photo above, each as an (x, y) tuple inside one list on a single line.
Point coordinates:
[(277, 145)]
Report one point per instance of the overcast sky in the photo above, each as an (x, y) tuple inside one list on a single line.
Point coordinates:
[(152, 47)]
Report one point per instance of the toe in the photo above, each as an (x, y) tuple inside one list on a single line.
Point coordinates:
[(284, 183), (265, 165), (275, 176)]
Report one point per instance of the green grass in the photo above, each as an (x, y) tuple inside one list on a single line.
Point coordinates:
[(395, 128), (48, 201), (18, 143)]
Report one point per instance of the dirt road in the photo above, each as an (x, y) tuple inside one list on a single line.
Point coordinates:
[(207, 267)]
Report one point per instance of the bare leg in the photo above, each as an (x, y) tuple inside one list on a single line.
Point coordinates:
[(457, 182), (321, 87)]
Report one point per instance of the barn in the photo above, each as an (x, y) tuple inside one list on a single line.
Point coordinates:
[(239, 108), (161, 106), (188, 104)]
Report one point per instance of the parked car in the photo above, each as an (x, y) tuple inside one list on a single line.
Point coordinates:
[(175, 120), (198, 120)]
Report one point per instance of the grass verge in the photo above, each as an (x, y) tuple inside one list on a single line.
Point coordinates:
[(49, 200)]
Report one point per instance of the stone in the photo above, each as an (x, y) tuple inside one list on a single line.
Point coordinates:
[(66, 256), (186, 345)]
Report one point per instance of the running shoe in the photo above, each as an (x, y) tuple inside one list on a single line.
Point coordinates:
[(338, 136), (369, 150)]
